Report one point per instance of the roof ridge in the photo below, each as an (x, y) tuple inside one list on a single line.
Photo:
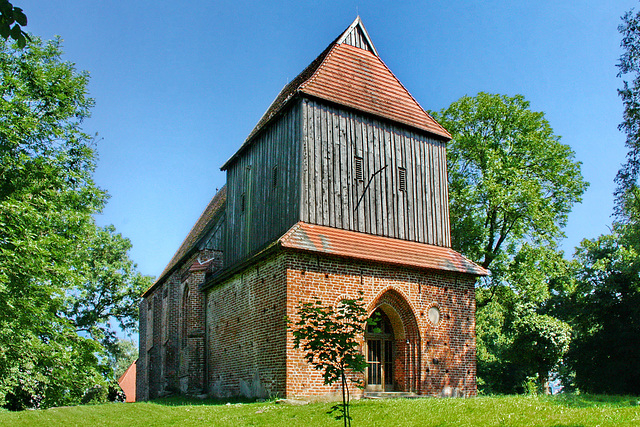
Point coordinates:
[(303, 84)]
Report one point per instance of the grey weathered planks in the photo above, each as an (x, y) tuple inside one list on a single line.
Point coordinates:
[(314, 146), (269, 211), (332, 196), (357, 39)]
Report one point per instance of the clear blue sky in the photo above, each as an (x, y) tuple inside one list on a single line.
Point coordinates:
[(179, 86)]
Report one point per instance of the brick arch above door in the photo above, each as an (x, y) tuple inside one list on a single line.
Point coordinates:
[(400, 312)]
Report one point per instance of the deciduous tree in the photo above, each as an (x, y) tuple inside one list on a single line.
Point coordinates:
[(12, 19), (510, 178), (604, 310), (627, 192), (512, 184), (65, 283)]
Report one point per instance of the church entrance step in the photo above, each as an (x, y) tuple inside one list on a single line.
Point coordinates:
[(390, 395)]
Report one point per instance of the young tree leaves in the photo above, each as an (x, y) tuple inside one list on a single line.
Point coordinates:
[(330, 338)]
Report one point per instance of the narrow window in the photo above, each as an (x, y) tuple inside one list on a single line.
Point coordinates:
[(242, 203), (359, 169), (185, 316), (274, 176), (402, 179)]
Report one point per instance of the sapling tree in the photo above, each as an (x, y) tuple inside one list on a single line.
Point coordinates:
[(330, 338)]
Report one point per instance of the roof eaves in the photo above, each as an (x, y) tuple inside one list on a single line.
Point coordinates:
[(445, 133), (322, 239)]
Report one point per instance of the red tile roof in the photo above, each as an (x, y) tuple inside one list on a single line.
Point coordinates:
[(355, 78), (351, 244), (127, 382)]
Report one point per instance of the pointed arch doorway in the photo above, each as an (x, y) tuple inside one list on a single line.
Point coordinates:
[(392, 347)]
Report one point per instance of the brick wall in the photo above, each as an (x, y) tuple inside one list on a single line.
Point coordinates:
[(233, 340), (172, 343), (430, 360), (142, 380), (246, 332)]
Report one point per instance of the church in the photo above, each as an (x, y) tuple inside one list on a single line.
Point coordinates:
[(340, 188)]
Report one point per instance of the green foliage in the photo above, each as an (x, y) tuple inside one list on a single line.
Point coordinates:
[(125, 352), (604, 309), (510, 178), (12, 19), (602, 301), (512, 184), (63, 280), (627, 192), (330, 339), (540, 342), (518, 336)]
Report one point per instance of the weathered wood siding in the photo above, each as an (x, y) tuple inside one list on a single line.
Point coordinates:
[(269, 211), (215, 238), (332, 196), (357, 39)]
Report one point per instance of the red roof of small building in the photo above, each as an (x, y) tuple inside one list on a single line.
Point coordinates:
[(352, 244), (127, 382)]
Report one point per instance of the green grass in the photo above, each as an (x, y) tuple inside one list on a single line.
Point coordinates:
[(563, 410)]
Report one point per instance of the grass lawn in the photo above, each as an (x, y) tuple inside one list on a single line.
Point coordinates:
[(569, 410)]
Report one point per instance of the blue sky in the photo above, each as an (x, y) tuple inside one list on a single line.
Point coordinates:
[(179, 86)]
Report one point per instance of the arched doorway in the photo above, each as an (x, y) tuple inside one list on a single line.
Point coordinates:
[(380, 353), (392, 347)]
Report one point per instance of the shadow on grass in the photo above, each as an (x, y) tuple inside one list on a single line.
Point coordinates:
[(570, 400), (194, 401)]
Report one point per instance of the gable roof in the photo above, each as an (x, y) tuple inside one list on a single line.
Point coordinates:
[(352, 244), (349, 72), (207, 219)]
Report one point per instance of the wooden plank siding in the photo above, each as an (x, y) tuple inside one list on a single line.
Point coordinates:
[(331, 196), (215, 238), (268, 211), (357, 39)]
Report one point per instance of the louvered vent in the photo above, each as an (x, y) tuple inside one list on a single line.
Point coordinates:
[(274, 176), (402, 179), (359, 169)]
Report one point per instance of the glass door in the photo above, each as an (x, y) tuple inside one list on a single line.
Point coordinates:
[(380, 354)]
